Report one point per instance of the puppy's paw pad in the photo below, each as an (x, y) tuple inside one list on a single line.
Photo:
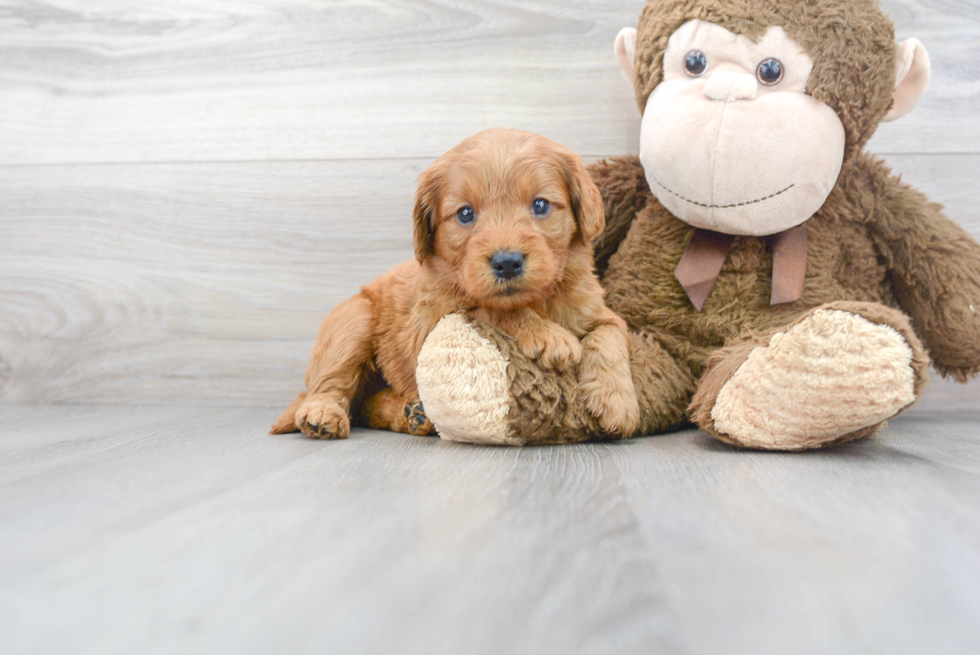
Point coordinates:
[(418, 422), (323, 419)]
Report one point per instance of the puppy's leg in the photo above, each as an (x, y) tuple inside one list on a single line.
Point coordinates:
[(388, 410), (287, 422), (550, 344), (336, 369), (605, 381)]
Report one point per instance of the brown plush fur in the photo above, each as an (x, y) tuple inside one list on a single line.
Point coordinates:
[(876, 242), (546, 408), (554, 303)]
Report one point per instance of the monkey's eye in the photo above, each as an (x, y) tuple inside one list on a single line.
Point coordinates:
[(541, 207), (695, 63), (465, 215), (770, 71)]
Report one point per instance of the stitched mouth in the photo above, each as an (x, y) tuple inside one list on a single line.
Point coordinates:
[(737, 204)]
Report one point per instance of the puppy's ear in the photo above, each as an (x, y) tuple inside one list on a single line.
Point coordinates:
[(586, 199), (426, 206)]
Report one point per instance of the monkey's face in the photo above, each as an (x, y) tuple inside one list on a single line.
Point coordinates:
[(730, 141)]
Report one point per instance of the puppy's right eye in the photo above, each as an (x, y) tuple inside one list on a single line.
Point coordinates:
[(465, 216)]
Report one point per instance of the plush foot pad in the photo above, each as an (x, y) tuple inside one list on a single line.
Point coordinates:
[(832, 374), (462, 380), (418, 423)]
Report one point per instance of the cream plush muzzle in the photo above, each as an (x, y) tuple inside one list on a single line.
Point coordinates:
[(724, 152)]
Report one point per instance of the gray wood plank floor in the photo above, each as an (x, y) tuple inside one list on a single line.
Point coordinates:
[(163, 530)]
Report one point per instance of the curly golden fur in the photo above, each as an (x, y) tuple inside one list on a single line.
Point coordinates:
[(366, 352)]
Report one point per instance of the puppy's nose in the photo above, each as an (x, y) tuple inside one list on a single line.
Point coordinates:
[(507, 264)]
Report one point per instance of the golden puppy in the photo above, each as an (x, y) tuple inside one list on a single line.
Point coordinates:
[(503, 229)]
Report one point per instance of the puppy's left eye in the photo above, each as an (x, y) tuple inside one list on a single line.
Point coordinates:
[(541, 207), (465, 215)]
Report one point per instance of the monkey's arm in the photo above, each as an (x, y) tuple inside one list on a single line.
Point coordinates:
[(935, 269), (624, 193)]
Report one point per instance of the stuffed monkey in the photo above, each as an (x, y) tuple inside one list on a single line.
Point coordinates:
[(783, 288)]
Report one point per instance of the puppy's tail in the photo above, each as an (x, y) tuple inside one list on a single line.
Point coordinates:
[(287, 422)]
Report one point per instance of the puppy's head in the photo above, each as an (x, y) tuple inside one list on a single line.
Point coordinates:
[(503, 214)]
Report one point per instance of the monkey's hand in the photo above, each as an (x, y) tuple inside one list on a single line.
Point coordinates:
[(935, 268), (624, 192)]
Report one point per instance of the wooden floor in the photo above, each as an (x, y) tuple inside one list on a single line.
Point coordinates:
[(166, 530)]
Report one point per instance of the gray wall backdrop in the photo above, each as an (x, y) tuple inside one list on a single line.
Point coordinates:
[(187, 187)]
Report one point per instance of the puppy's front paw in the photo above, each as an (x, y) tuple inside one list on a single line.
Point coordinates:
[(322, 418), (553, 347), (611, 399), (620, 414)]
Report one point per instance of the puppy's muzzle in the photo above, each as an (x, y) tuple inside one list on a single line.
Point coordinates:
[(507, 264)]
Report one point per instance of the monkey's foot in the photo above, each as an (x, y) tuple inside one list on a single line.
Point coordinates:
[(835, 375), (418, 423), (478, 387)]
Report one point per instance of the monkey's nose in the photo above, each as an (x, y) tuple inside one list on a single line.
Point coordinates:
[(507, 264), (725, 86)]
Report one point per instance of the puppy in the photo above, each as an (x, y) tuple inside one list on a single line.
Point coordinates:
[(504, 224)]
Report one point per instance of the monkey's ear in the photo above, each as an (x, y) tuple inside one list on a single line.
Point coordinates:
[(912, 70), (424, 214), (585, 199), (625, 52)]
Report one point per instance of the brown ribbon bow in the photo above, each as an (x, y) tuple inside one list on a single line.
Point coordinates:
[(705, 255)]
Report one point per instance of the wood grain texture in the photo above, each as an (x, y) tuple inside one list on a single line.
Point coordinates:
[(199, 80), (269, 152), (184, 282), (207, 282), (163, 530)]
